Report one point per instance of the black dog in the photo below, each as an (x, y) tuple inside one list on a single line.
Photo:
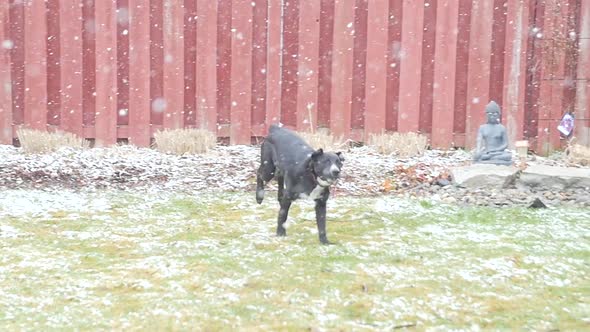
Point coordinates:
[(301, 172)]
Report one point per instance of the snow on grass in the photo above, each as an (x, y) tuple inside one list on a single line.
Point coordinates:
[(168, 261)]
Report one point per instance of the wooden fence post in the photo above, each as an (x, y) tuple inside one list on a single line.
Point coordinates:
[(35, 115), (71, 113), (443, 108), (273, 64), (411, 66), (582, 127), (478, 76), (552, 68), (377, 67), (241, 71), (342, 71), (515, 71), (106, 73), (206, 102), (259, 55), (308, 64), (6, 44), (139, 73), (173, 80)]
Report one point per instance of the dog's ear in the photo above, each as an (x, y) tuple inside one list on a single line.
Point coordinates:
[(339, 154), (316, 154)]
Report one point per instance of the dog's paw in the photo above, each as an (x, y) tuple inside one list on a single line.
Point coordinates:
[(281, 231), (259, 196), (326, 242)]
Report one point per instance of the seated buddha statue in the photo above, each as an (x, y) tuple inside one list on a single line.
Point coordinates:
[(492, 139)]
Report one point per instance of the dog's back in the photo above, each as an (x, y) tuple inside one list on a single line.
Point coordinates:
[(288, 148)]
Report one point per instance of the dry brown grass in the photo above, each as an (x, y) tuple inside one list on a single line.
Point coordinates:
[(578, 154), (38, 141), (185, 141), (400, 144), (323, 139)]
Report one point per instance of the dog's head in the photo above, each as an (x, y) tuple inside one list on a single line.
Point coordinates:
[(326, 166)]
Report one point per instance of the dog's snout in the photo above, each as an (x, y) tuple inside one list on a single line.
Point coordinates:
[(334, 170)]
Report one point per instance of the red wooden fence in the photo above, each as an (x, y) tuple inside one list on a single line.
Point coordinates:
[(122, 69)]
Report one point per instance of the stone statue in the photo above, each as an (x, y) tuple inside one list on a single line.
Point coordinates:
[(492, 139)]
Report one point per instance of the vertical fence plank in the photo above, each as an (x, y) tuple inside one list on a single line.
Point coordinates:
[(444, 72), (359, 71), (106, 73), (478, 76), (342, 60), (6, 44), (376, 68), (411, 66), (308, 56), (427, 67), (515, 68), (544, 76), (548, 79), (325, 64), (461, 62), (550, 63), (560, 36), (290, 45), (173, 80), (17, 62), (71, 113), (54, 39), (35, 65), (259, 54), (139, 73), (241, 71), (224, 45), (582, 128), (189, 117), (157, 101), (206, 96), (531, 115), (571, 54), (498, 51), (273, 63), (393, 64), (88, 64), (122, 65)]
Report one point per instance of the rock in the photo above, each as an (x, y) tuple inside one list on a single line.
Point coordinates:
[(537, 204), (484, 176), (582, 199), (443, 182), (545, 177), (450, 200)]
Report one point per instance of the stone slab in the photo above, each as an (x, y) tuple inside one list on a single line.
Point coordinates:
[(554, 178), (482, 175)]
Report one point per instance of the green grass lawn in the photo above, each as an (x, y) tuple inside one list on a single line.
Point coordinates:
[(153, 261)]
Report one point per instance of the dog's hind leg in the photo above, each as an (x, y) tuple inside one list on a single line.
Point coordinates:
[(283, 213), (266, 171), (281, 181)]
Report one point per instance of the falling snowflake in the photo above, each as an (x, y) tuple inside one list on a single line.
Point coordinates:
[(159, 105), (7, 44)]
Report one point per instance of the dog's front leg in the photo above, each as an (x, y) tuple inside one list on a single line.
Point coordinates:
[(320, 215), (285, 203)]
